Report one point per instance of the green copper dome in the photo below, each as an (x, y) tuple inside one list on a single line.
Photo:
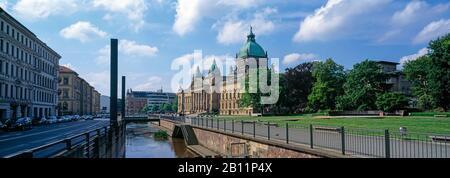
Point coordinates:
[(251, 48), (213, 67)]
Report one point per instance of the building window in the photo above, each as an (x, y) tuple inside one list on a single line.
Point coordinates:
[(66, 81), (65, 94)]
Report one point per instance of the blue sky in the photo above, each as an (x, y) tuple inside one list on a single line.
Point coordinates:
[(155, 32)]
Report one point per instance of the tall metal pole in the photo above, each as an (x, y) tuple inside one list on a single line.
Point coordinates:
[(113, 83), (123, 98)]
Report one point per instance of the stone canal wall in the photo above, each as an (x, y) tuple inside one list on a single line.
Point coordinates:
[(228, 144)]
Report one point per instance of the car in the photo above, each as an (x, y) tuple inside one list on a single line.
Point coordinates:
[(88, 117), (39, 121), (23, 123), (77, 117), (2, 126), (52, 120)]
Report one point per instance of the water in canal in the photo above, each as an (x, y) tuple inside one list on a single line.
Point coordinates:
[(140, 143)]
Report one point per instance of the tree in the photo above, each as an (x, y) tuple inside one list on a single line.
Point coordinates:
[(154, 108), (439, 76), (145, 109), (296, 85), (253, 99), (166, 108), (175, 106), (364, 82), (391, 101), (329, 78), (418, 73)]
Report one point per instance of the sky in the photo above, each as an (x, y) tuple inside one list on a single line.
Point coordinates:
[(155, 33)]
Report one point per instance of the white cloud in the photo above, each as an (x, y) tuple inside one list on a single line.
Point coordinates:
[(133, 9), (151, 84), (4, 5), (187, 16), (415, 14), (409, 13), (128, 48), (239, 3), (328, 20), (36, 9), (296, 57), (190, 12), (134, 49), (420, 53), (432, 31), (235, 31), (99, 80), (82, 31)]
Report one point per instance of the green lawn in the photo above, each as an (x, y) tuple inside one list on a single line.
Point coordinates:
[(414, 124)]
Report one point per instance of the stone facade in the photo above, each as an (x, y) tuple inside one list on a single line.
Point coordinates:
[(76, 96), (28, 72), (219, 94), (221, 143)]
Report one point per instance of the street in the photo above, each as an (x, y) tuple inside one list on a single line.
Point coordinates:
[(12, 142)]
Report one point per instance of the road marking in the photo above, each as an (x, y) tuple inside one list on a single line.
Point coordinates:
[(38, 133), (47, 140)]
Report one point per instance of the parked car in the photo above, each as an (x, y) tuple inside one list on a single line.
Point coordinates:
[(52, 120), (20, 124), (89, 117), (77, 117), (39, 121), (2, 126)]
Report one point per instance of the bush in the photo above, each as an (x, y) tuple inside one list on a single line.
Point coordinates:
[(391, 101), (161, 135)]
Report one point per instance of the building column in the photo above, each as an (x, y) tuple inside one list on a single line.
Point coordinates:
[(18, 112), (25, 111), (8, 114)]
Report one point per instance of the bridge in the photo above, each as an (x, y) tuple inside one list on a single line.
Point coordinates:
[(141, 118)]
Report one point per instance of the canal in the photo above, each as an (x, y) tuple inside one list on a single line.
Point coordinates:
[(140, 143)]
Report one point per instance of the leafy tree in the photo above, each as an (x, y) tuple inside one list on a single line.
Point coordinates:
[(418, 73), (145, 109), (253, 99), (364, 82), (154, 108), (391, 101), (329, 79), (175, 105), (439, 76), (167, 107), (296, 85)]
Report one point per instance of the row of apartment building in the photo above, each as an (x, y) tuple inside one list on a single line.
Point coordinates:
[(76, 96), (29, 71)]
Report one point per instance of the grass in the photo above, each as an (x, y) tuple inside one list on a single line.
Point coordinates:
[(414, 124)]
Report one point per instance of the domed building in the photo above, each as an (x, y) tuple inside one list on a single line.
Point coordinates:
[(222, 93)]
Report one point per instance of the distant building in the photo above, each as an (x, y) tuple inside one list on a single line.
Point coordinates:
[(96, 102), (200, 99), (76, 96), (397, 81), (28, 72), (137, 100), (104, 104)]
